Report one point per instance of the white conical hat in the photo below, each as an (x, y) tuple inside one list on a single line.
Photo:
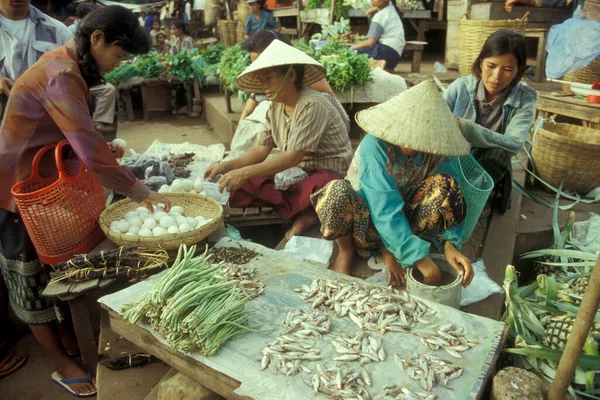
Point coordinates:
[(278, 54), (418, 119)]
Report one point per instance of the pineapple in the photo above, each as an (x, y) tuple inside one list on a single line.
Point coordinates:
[(559, 243), (558, 330)]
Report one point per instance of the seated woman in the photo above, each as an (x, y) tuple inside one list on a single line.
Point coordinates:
[(495, 108), (302, 123), (385, 39), (257, 43), (182, 41), (401, 192), (260, 19)]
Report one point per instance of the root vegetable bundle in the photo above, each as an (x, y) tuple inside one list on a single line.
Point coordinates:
[(123, 262)]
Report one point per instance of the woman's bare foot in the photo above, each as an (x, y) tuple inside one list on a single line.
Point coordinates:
[(343, 263), (12, 361), (70, 370), (304, 221)]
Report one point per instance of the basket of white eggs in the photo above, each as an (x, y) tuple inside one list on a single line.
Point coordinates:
[(192, 218), (184, 186)]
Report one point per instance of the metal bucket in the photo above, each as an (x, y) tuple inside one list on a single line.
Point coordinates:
[(448, 295)]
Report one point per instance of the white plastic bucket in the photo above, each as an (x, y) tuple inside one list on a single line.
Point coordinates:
[(448, 294)]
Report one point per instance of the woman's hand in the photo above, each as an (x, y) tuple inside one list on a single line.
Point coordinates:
[(432, 275), (459, 262), (156, 198), (5, 85), (397, 274), (232, 180), (216, 169), (118, 151)]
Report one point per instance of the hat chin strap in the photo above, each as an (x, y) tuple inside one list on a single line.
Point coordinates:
[(282, 82)]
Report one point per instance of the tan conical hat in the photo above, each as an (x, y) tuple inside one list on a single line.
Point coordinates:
[(278, 54), (418, 119)]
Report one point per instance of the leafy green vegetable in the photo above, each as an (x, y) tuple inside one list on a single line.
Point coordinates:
[(233, 62)]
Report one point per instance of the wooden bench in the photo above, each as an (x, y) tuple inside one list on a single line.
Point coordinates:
[(417, 48), (157, 95), (251, 216)]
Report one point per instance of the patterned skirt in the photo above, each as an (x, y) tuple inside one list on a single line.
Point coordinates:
[(432, 207), (24, 275)]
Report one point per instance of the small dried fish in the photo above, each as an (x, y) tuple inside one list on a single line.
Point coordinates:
[(428, 370)]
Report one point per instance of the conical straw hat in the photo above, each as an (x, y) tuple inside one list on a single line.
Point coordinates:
[(278, 54), (418, 119)]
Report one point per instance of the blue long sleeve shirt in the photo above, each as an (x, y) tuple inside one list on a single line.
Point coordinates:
[(383, 197)]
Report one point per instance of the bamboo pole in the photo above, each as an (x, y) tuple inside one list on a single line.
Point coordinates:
[(581, 327)]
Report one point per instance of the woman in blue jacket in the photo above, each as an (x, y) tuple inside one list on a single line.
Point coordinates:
[(259, 19), (495, 109)]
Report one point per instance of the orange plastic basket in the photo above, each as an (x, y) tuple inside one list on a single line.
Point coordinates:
[(61, 212)]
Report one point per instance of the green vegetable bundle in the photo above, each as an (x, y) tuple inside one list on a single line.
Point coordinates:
[(233, 62), (193, 307)]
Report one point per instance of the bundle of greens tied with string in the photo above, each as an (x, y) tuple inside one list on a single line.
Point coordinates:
[(193, 307)]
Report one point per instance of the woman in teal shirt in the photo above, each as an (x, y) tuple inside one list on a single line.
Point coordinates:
[(260, 19), (400, 192)]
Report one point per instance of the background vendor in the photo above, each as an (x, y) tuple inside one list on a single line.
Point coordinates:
[(260, 19), (304, 125), (495, 109), (182, 42), (385, 39), (508, 5)]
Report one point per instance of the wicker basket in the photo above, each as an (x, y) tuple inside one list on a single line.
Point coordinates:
[(474, 33), (569, 154), (243, 11), (587, 74), (227, 32), (240, 34), (193, 205)]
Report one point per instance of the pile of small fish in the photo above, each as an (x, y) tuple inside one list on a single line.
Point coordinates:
[(286, 353), (362, 346), (376, 309), (397, 392), (245, 276), (448, 337), (341, 383), (429, 370)]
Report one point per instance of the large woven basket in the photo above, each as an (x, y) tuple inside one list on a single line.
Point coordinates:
[(587, 74), (569, 154), (240, 34), (193, 205), (228, 31), (474, 33)]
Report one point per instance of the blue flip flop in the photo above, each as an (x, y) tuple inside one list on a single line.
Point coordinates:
[(64, 383)]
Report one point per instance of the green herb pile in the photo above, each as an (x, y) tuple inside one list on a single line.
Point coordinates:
[(233, 62), (345, 68), (340, 9)]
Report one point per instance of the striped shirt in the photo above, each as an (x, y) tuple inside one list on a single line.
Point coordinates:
[(489, 115), (48, 103), (316, 127)]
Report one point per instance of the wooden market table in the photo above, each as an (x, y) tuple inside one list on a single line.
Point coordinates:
[(570, 106)]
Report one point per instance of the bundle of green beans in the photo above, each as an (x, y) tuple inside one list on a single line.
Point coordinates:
[(193, 307)]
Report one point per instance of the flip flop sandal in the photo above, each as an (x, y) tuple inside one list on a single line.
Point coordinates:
[(64, 383), (376, 261), (16, 366), (366, 254)]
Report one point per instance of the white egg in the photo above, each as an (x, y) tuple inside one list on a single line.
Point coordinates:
[(122, 226), (131, 214), (203, 193), (164, 189), (173, 229), (177, 209), (149, 223), (176, 186), (145, 232), (142, 210), (187, 185), (181, 220), (159, 215), (174, 214), (113, 226), (159, 230), (137, 221), (198, 186), (183, 228), (119, 142), (193, 191), (167, 221), (192, 222), (133, 230)]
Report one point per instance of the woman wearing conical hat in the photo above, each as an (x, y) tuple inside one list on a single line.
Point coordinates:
[(302, 123), (401, 193)]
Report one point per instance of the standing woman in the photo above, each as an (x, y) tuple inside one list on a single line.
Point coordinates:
[(48, 103), (260, 19), (495, 109), (385, 39), (182, 40)]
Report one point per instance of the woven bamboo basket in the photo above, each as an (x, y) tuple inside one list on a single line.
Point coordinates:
[(569, 154), (240, 34), (474, 33), (243, 11), (227, 32), (193, 205), (587, 74)]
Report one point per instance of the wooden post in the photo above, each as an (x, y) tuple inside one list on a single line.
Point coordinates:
[(331, 10), (581, 328)]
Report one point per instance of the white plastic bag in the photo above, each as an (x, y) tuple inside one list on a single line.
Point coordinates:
[(289, 177), (212, 191), (481, 287)]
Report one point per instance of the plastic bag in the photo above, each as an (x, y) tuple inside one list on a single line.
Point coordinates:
[(212, 191), (155, 182), (382, 277), (289, 177), (143, 166), (439, 68), (481, 287)]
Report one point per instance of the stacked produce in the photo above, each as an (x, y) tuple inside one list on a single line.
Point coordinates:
[(184, 186), (141, 222), (339, 31), (193, 307), (123, 262), (233, 62), (340, 7)]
